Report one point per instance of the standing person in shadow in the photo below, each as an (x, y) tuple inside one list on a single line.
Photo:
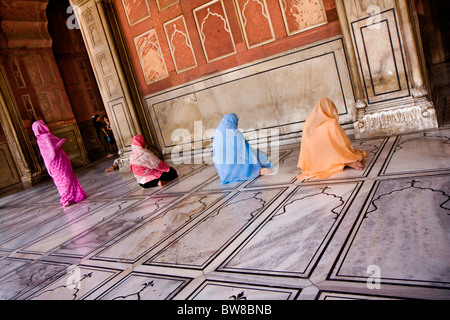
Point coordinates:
[(148, 170), (58, 165), (106, 127), (325, 148), (235, 160)]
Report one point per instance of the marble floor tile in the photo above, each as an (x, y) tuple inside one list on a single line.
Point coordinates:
[(419, 152), (140, 286), (75, 284), (380, 233), (100, 234), (198, 245), (211, 290), (28, 278), (162, 226), (87, 222), (405, 218), (290, 242)]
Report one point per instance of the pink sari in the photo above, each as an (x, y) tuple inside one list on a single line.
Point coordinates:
[(58, 165)]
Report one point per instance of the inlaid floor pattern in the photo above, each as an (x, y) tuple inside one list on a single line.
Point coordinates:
[(380, 233)]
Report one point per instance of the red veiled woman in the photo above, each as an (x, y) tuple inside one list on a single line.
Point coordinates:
[(148, 169)]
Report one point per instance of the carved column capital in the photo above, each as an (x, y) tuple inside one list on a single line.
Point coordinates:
[(24, 24)]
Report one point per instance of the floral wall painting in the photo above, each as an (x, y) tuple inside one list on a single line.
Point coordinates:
[(136, 11), (180, 44), (301, 15), (214, 30), (150, 57), (255, 21)]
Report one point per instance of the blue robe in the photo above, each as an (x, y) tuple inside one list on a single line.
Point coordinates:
[(234, 158)]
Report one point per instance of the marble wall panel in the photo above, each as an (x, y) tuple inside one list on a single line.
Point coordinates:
[(357, 9), (300, 15), (255, 22), (381, 57), (125, 127), (403, 218), (136, 11), (314, 72), (150, 56), (180, 44), (214, 30)]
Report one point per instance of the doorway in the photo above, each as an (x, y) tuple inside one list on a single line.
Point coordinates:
[(435, 33), (77, 74)]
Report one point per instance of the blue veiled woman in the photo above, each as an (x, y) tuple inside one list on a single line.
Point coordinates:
[(234, 158)]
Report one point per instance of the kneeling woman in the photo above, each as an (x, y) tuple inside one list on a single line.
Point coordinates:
[(235, 160), (146, 167), (325, 148)]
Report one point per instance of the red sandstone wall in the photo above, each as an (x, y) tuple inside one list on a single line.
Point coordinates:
[(172, 42)]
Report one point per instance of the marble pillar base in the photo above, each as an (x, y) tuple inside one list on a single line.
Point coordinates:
[(398, 117)]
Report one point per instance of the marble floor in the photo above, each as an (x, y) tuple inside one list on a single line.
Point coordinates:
[(380, 233)]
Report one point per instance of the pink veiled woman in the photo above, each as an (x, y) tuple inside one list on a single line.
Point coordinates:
[(58, 165)]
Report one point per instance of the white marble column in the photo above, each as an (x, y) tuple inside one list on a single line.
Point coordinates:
[(360, 98), (389, 74)]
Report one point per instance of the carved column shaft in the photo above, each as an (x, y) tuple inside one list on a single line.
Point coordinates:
[(101, 44), (351, 56), (411, 48)]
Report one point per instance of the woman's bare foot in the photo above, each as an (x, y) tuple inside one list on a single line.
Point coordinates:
[(357, 165), (110, 169), (161, 183), (264, 171)]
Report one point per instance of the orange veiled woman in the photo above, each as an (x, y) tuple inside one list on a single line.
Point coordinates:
[(325, 148)]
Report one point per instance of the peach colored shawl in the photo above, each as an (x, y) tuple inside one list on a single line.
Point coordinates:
[(325, 148)]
